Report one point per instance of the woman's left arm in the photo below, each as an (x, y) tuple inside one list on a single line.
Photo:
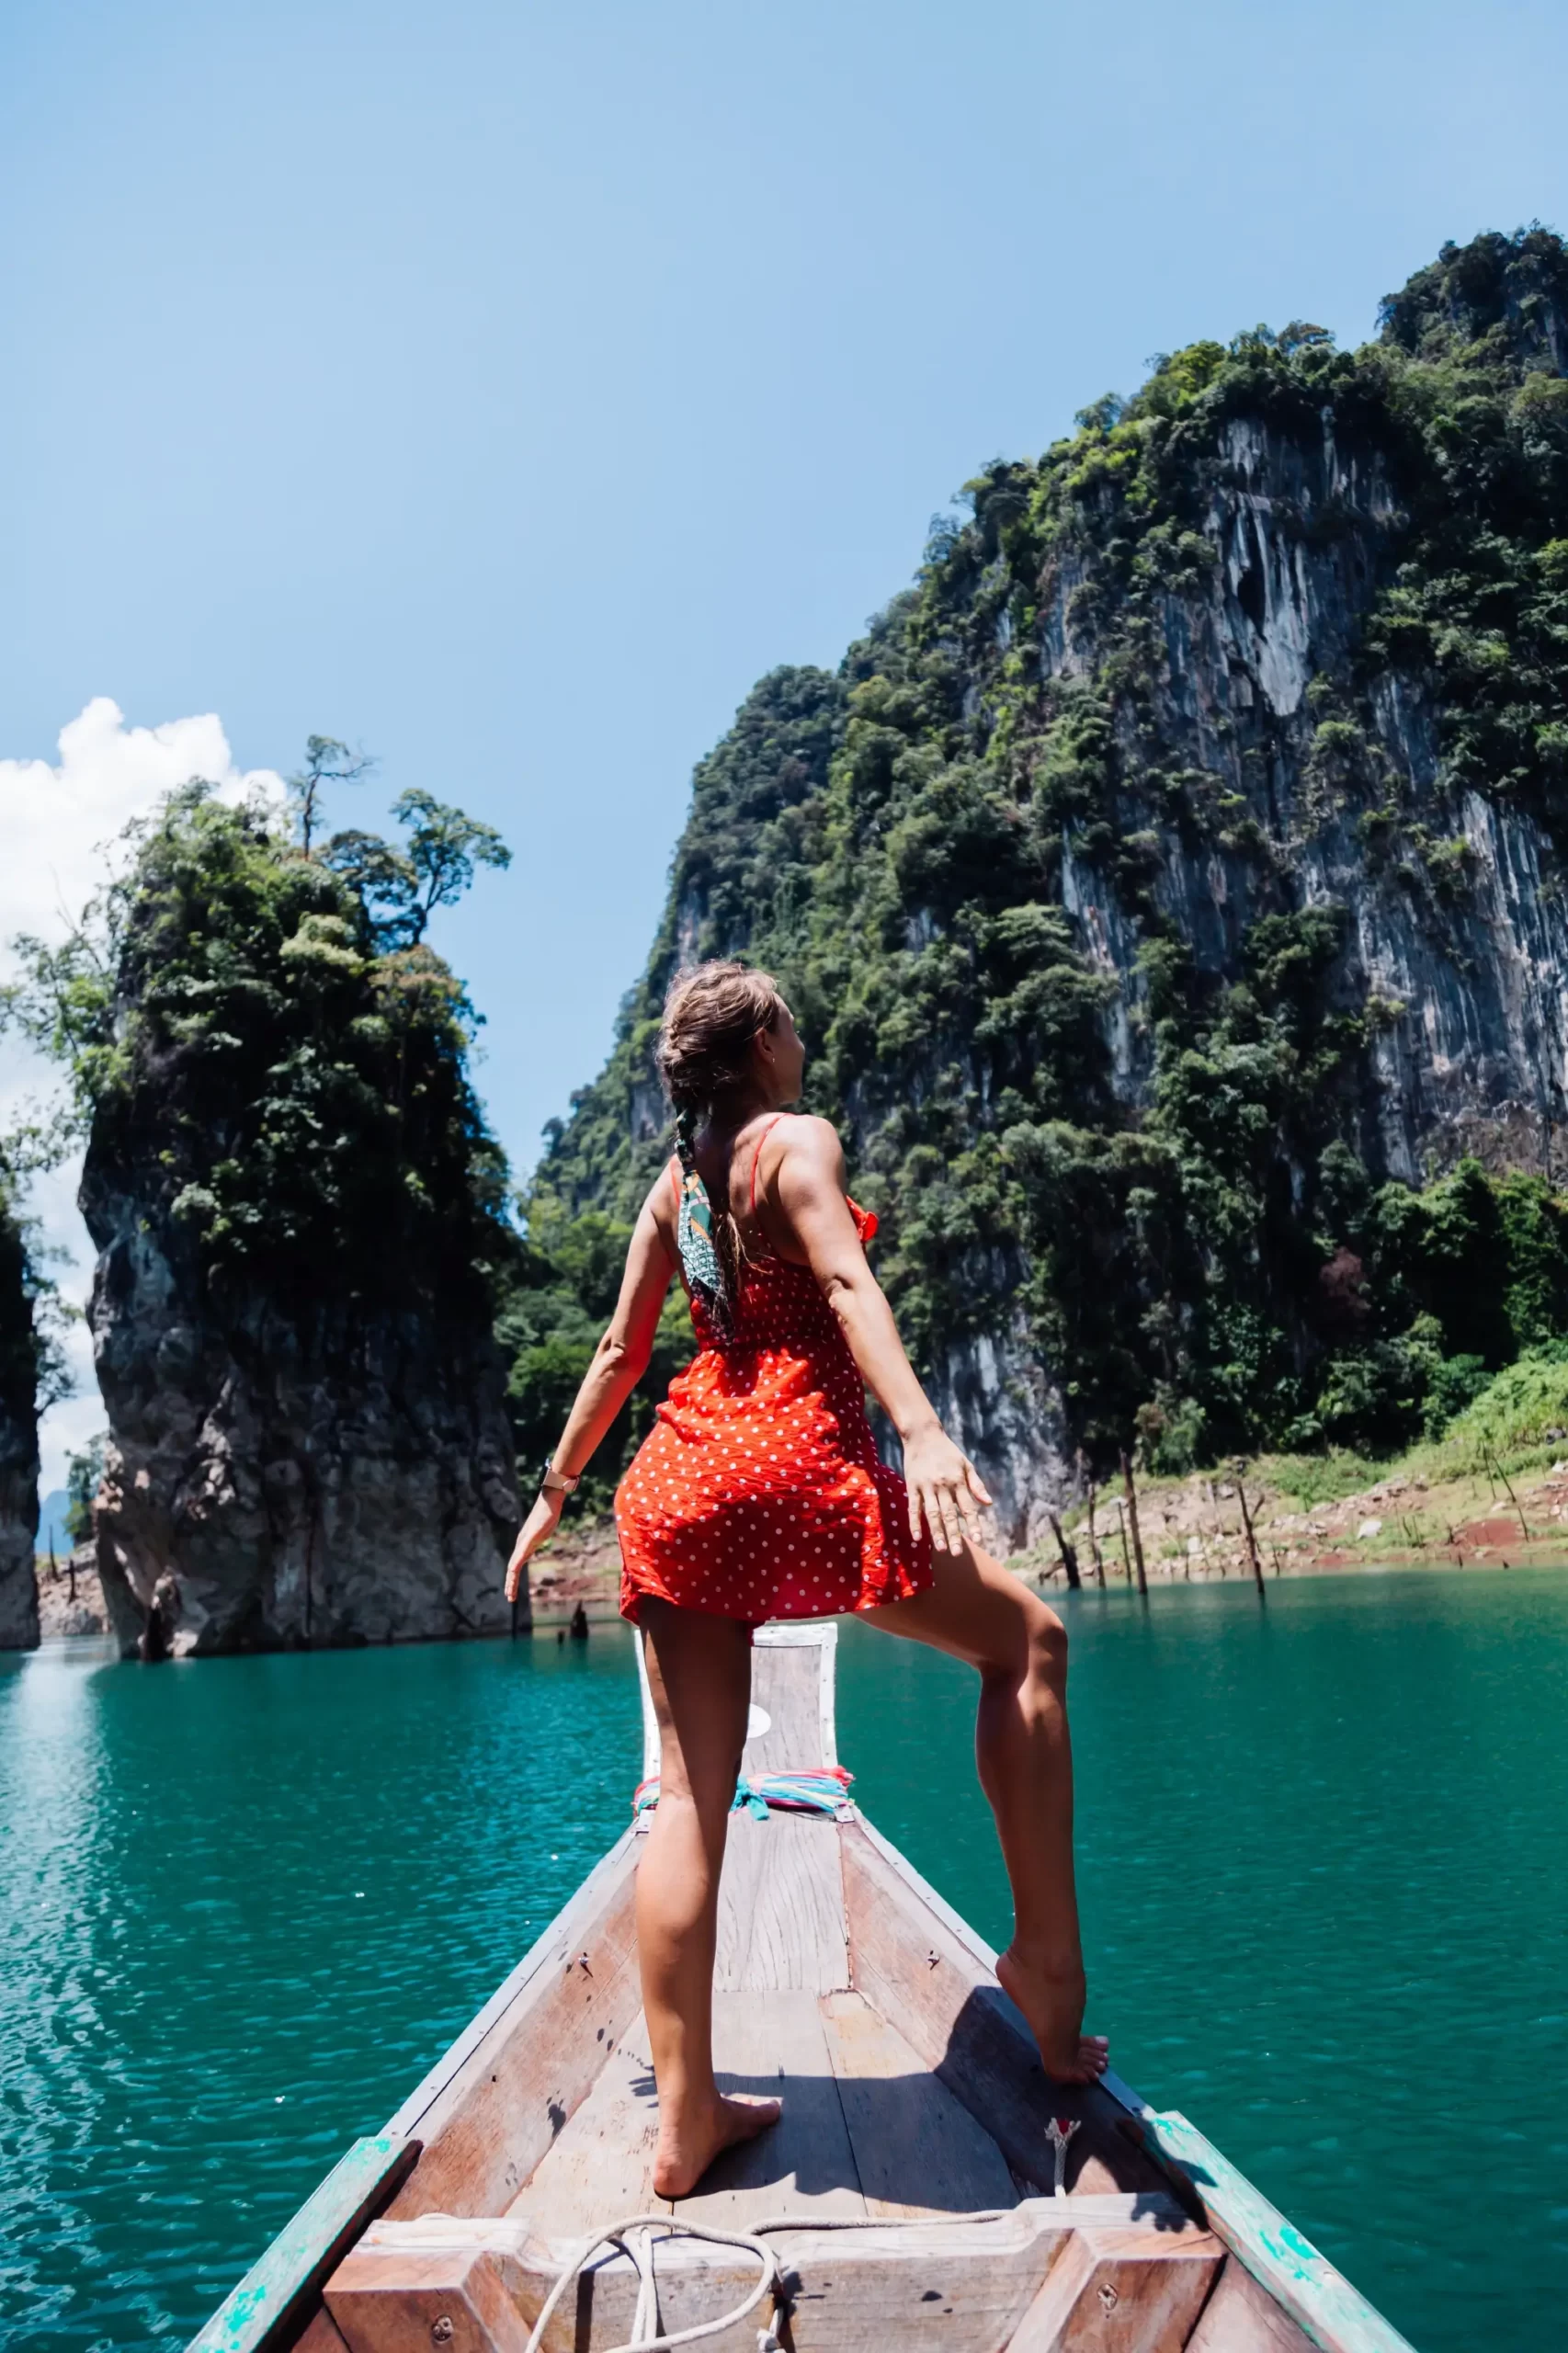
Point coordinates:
[(618, 1365)]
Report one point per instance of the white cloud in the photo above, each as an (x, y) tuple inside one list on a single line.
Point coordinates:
[(57, 827)]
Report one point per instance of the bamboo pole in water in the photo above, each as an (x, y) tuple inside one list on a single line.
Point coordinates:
[(1512, 1498), (1097, 1556), (1068, 1552), (1132, 1516), (1252, 1540)]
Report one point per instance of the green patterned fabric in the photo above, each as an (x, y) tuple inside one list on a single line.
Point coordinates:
[(695, 1237)]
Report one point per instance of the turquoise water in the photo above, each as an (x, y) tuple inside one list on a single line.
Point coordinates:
[(243, 1904)]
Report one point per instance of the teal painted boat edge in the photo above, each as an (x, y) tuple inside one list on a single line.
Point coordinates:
[(274, 2299), (1301, 2279)]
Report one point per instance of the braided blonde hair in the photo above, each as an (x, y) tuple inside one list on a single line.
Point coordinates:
[(712, 1015)]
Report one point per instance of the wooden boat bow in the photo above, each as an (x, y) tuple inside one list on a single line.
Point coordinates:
[(911, 2187)]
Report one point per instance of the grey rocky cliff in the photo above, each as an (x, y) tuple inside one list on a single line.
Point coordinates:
[(1306, 599), (303, 1482), (18, 1446), (19, 1533), (1471, 1054)]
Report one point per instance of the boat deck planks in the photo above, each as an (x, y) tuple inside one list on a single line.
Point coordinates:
[(806, 2164), (781, 1924), (1242, 2317), (917, 2150), (601, 2163), (914, 2097)]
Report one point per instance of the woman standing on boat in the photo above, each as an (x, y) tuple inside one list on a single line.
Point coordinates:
[(759, 1494)]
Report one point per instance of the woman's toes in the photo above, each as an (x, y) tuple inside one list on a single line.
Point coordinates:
[(686, 2151)]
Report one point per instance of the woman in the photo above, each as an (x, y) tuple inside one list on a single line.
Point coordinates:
[(759, 1494)]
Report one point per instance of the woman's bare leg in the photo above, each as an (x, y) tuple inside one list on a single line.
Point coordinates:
[(700, 1673), (979, 1611)]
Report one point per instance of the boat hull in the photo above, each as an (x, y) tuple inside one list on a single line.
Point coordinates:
[(926, 2184)]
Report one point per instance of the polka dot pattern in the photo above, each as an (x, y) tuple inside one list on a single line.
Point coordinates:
[(758, 1493)]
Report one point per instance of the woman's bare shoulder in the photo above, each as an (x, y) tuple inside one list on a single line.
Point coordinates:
[(807, 1148)]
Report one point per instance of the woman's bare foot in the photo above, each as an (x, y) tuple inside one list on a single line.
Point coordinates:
[(687, 2147), (1053, 2002)]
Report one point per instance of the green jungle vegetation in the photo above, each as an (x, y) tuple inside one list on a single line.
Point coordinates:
[(265, 1055), (264, 1050), (1207, 1261), (33, 1373)]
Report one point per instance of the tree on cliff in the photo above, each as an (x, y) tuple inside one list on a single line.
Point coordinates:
[(302, 1225), (288, 1085), (1171, 887)]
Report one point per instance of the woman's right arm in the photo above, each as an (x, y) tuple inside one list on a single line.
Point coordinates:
[(618, 1365)]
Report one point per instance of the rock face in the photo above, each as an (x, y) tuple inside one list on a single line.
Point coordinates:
[(1474, 1053), (18, 1448), (71, 1602), (1182, 857), (338, 1481), (298, 1213)]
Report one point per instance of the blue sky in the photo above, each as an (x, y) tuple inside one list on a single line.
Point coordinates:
[(506, 387)]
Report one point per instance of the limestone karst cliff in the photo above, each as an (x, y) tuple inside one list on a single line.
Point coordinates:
[(299, 1217), (298, 1476), (1171, 886), (18, 1442)]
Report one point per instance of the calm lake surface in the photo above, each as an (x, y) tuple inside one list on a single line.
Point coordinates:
[(245, 1904)]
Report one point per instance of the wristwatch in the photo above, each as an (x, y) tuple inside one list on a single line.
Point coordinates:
[(558, 1481)]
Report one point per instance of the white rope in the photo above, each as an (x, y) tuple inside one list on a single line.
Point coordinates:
[(639, 2248), (634, 2238), (879, 2221)]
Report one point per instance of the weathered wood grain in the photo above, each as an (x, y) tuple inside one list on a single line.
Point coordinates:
[(792, 1673), (1242, 2317), (1121, 2292), (916, 2149), (321, 2336), (950, 2287), (805, 2163), (488, 2117), (601, 2164), (933, 1983), (782, 1925), (444, 2281)]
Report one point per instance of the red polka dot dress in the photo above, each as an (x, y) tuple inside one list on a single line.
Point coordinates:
[(758, 1493)]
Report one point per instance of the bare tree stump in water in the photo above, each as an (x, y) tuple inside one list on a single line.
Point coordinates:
[(1094, 1554), (1246, 1529), (1132, 1516), (1068, 1552)]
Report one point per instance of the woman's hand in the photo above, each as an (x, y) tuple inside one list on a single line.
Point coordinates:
[(543, 1521), (944, 1485)]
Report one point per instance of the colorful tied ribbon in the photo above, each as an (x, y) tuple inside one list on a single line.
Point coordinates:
[(694, 1234), (824, 1790)]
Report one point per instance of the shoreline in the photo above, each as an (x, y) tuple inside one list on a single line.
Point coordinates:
[(585, 1566)]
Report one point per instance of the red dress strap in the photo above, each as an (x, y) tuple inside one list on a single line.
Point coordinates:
[(757, 1155)]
